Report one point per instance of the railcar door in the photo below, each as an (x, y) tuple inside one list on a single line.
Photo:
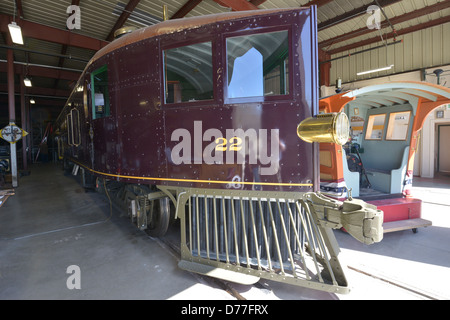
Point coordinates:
[(102, 131), (443, 159)]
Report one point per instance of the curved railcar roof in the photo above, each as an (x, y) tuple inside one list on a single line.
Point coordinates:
[(176, 25), (172, 26)]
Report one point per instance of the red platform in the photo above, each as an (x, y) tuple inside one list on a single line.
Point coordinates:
[(401, 213), (399, 208)]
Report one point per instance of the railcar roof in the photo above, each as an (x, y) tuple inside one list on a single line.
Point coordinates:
[(171, 26), (176, 25)]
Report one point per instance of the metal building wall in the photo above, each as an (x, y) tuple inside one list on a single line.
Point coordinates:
[(421, 49)]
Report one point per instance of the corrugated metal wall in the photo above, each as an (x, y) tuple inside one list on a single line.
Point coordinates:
[(421, 49)]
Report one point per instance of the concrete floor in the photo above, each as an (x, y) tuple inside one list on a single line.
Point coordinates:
[(51, 223)]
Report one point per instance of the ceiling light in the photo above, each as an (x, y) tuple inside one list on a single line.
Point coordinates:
[(27, 82), (15, 32), (375, 70), (32, 101)]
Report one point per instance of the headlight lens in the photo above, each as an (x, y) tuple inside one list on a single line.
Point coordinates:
[(330, 128)]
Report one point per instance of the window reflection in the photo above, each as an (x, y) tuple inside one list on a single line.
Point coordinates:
[(258, 65), (375, 127), (247, 79), (398, 126), (188, 73)]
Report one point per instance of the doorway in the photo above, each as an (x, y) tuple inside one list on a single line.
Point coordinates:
[(443, 150)]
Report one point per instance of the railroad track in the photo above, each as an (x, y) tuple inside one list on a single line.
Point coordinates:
[(175, 251), (171, 244), (397, 284)]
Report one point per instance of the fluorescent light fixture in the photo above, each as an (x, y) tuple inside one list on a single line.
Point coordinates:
[(32, 101), (15, 32), (27, 82), (375, 70)]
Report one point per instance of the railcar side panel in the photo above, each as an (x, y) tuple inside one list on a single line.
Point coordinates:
[(134, 132), (268, 156)]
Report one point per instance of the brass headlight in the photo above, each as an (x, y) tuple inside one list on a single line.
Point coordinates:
[(330, 127)]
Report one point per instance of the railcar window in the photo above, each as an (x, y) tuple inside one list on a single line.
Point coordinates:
[(75, 124), (100, 94), (398, 125), (85, 99), (258, 65), (375, 127), (188, 73)]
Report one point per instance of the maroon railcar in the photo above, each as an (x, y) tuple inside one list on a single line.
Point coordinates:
[(203, 113)]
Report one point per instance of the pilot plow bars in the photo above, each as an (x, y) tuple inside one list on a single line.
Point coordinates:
[(242, 236)]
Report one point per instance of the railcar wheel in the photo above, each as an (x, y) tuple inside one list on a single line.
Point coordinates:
[(159, 219), (129, 197)]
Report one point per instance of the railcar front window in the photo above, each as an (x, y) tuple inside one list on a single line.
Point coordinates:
[(100, 94), (398, 126), (258, 65), (188, 73), (375, 127)]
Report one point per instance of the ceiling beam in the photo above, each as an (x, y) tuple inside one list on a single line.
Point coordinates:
[(257, 2), (36, 71), (40, 100), (352, 14), (403, 31), (317, 3), (185, 9), (237, 5), (123, 18), (324, 68), (396, 20), (39, 91), (51, 34), (19, 8)]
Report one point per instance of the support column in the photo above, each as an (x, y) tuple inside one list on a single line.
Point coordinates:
[(30, 131), (324, 68), (23, 115), (12, 114)]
